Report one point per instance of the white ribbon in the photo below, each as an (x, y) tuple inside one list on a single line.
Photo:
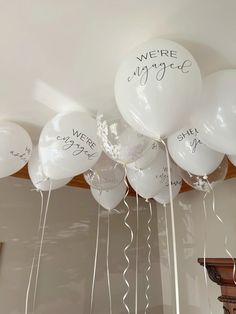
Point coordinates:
[(149, 257), (41, 245), (107, 261), (167, 239), (175, 261), (95, 257), (34, 257), (127, 246), (204, 253), (136, 255)]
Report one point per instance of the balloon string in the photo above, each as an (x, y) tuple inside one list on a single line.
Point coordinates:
[(205, 252), (41, 244), (41, 181), (225, 234), (167, 239), (127, 246), (107, 261), (176, 279), (168, 246), (149, 258), (34, 257), (95, 256), (137, 255)]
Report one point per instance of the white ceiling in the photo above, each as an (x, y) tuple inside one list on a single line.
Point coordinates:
[(65, 53)]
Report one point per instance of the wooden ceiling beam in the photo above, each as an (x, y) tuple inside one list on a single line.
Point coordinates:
[(79, 181)]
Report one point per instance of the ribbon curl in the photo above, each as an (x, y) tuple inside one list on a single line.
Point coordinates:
[(149, 257), (127, 246), (107, 261)]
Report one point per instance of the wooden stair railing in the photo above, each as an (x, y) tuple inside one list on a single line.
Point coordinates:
[(220, 271)]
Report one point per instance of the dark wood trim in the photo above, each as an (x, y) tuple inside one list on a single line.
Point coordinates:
[(224, 262), (220, 271), (79, 181)]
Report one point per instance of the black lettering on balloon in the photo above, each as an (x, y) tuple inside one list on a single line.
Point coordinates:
[(76, 148), (175, 183), (155, 146), (157, 53), (75, 133), (194, 144), (84, 138), (22, 156), (189, 132), (173, 54), (164, 52), (164, 178), (180, 137), (153, 54), (28, 150), (142, 73), (145, 56)]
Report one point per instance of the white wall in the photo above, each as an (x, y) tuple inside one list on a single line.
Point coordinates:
[(67, 263), (190, 232)]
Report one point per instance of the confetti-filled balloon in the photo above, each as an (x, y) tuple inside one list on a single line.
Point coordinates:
[(106, 174), (118, 140), (205, 183)]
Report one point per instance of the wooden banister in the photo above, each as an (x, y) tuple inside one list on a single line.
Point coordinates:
[(220, 271)]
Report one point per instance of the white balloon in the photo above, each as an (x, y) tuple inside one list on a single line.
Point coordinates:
[(163, 197), (149, 181), (118, 139), (157, 87), (38, 178), (148, 156), (232, 159), (106, 174), (189, 153), (206, 183), (111, 198), (68, 145), (15, 148), (216, 117)]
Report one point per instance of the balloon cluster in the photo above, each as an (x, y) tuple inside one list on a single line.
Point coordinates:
[(160, 96)]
